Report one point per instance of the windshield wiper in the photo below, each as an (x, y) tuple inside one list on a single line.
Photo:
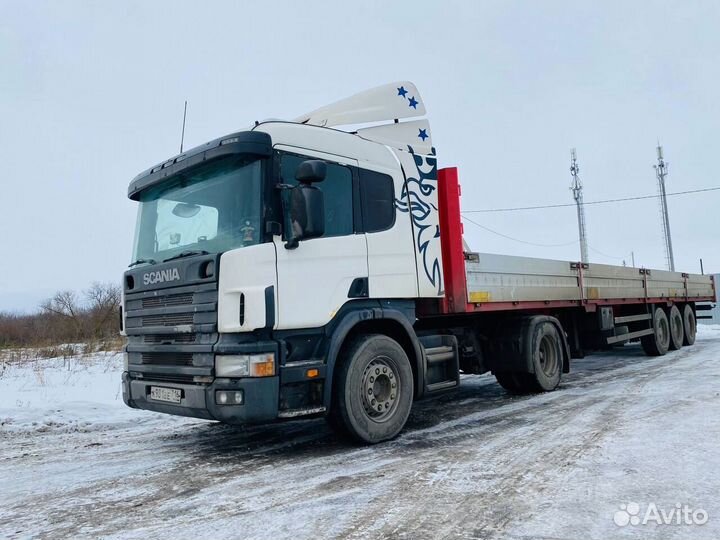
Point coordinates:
[(142, 261), (187, 254)]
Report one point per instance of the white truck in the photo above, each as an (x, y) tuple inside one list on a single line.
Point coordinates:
[(293, 269)]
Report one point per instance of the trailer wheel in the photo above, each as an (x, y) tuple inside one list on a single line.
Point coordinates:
[(689, 325), (374, 391), (677, 334), (657, 343), (547, 357)]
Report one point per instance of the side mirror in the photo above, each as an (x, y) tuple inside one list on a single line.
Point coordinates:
[(307, 214), (312, 170)]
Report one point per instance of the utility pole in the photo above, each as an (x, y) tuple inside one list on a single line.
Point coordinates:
[(576, 188), (661, 171)]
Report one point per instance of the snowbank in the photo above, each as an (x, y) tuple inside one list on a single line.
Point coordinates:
[(79, 393)]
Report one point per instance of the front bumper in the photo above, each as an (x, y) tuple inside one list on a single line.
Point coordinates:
[(260, 404)]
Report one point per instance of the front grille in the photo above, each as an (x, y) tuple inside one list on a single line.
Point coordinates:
[(172, 330), (168, 359), (171, 339), (167, 319), (172, 378), (169, 300)]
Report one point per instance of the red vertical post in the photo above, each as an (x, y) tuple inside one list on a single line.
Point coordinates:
[(451, 231)]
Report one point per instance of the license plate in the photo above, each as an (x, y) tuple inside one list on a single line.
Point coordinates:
[(171, 395)]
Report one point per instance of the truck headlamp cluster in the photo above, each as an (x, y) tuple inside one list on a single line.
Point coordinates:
[(245, 365)]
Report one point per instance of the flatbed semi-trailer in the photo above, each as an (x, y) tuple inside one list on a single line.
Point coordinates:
[(296, 270)]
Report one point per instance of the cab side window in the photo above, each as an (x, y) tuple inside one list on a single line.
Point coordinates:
[(337, 189), (378, 200)]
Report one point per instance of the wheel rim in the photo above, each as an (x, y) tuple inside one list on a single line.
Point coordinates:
[(548, 356), (380, 389)]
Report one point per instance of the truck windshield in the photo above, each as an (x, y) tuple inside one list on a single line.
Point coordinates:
[(214, 208)]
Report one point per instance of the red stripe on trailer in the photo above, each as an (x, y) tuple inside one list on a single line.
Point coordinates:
[(453, 258)]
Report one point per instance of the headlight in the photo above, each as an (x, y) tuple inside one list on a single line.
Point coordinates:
[(126, 361), (245, 365)]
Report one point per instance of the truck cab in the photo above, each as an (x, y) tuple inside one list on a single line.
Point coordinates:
[(233, 309)]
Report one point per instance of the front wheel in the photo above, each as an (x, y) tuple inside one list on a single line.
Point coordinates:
[(374, 389)]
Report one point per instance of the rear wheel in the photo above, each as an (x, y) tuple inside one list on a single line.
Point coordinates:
[(544, 352), (547, 357), (514, 383), (677, 334), (689, 325), (657, 343), (374, 389)]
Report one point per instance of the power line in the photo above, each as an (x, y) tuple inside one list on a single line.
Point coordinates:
[(606, 255), (488, 229), (606, 201)]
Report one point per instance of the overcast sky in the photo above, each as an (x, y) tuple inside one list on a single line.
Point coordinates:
[(91, 93)]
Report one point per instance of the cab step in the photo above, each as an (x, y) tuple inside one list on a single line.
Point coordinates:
[(441, 361)]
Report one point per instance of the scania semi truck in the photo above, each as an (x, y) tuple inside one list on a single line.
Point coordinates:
[(294, 269)]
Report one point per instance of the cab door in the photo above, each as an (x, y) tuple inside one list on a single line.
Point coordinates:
[(314, 279)]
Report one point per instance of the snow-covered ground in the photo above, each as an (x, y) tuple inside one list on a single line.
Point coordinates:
[(623, 429)]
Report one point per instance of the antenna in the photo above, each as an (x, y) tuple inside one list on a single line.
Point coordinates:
[(661, 171), (577, 188), (182, 137)]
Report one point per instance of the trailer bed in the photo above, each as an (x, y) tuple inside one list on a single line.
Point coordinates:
[(509, 281)]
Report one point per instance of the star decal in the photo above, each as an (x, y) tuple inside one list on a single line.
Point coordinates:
[(413, 103), (423, 134), (402, 91)]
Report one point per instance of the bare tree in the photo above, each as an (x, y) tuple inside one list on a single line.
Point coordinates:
[(102, 304), (65, 307), (66, 317)]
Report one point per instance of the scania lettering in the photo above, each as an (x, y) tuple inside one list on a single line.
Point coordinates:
[(294, 270), (170, 274)]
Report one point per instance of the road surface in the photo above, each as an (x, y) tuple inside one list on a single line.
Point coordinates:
[(622, 429)]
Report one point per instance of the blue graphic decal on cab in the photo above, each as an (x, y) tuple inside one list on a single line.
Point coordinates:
[(417, 201)]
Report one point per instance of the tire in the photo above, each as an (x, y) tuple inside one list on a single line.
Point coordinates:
[(374, 389), (657, 343), (544, 352), (513, 383), (689, 325), (547, 358), (677, 332)]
